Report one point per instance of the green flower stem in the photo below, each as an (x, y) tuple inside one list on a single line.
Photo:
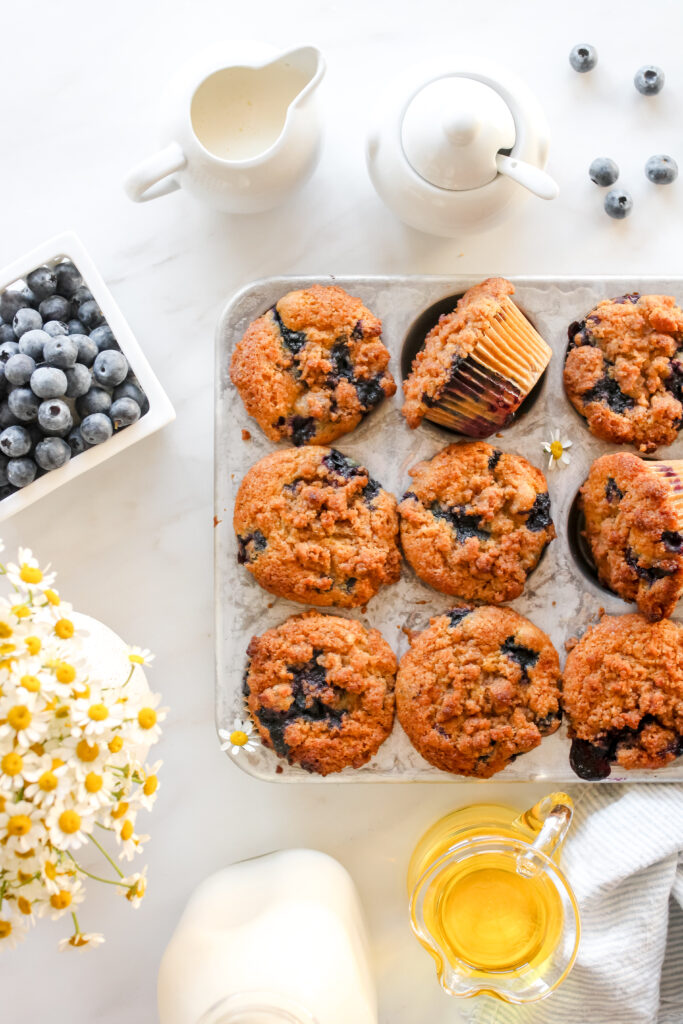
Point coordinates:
[(130, 675), (77, 927), (105, 854), (96, 878)]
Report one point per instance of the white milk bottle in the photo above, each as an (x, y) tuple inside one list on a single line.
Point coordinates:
[(275, 940)]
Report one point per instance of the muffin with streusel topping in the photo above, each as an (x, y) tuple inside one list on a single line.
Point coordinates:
[(475, 522), (320, 689), (313, 526), (624, 370), (311, 367), (477, 688)]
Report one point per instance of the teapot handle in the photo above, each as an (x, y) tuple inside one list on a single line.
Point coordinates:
[(150, 178)]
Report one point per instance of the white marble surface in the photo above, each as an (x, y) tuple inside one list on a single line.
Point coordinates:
[(133, 538)]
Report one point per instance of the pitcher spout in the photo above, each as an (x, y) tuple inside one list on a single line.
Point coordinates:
[(309, 63)]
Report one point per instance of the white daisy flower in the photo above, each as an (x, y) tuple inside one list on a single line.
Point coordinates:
[(15, 766), (82, 940), (556, 449), (25, 722), (47, 779), (144, 728), (147, 793), (136, 887), (66, 899), (12, 928), (19, 826), (140, 656), (28, 575), (67, 827), (94, 717), (240, 737)]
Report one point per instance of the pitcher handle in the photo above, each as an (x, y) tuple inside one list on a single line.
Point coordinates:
[(150, 178), (550, 818)]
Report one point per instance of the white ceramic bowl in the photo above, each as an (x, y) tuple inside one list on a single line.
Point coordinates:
[(160, 412)]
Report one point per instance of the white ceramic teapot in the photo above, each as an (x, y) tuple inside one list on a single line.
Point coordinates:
[(456, 144), (241, 128)]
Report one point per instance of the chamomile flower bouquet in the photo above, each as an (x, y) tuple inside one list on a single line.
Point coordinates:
[(77, 721)]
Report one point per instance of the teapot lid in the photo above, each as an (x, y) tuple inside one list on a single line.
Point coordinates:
[(452, 130)]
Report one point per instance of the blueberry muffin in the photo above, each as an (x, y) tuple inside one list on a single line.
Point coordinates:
[(477, 365), (633, 513), (313, 526), (623, 695), (311, 367), (475, 522), (477, 688), (320, 690), (623, 370)]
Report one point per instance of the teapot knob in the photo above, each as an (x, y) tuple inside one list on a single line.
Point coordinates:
[(461, 127)]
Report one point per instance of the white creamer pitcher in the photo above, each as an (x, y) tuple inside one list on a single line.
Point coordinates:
[(274, 940), (241, 129)]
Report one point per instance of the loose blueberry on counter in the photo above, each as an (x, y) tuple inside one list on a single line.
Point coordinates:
[(32, 344), (96, 428), (78, 381), (96, 400), (21, 472), (55, 307), (61, 352), (26, 319), (42, 281), (51, 453), (130, 389), (68, 278), (661, 169), (54, 417), (76, 442), (649, 80), (23, 404), (48, 382), (603, 171), (55, 328), (90, 314), (618, 203), (87, 348), (18, 368), (103, 337), (110, 368), (123, 412), (583, 57), (15, 441)]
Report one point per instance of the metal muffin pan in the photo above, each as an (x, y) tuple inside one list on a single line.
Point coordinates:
[(562, 596)]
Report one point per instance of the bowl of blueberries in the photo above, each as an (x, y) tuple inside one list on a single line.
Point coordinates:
[(75, 386)]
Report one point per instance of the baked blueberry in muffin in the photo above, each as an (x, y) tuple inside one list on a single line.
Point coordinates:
[(313, 526), (311, 367)]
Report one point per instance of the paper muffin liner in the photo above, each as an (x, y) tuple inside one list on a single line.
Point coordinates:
[(487, 386), (672, 473)]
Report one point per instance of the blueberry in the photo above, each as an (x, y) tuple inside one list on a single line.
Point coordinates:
[(87, 349), (51, 453), (96, 428), (661, 170), (68, 278), (26, 320), (76, 327), (21, 472), (110, 368), (618, 203), (649, 80), (583, 57), (124, 411), (90, 314), (103, 336), (76, 442), (48, 382), (78, 381), (54, 417), (10, 304), (131, 389), (96, 400), (603, 171), (8, 349), (15, 441), (23, 403), (55, 307), (55, 328), (7, 333), (42, 282), (7, 417), (32, 344), (81, 295), (19, 367), (61, 351)]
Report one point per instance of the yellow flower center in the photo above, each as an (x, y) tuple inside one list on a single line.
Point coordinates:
[(150, 786), (60, 900), (5, 631), (97, 712), (65, 673), (93, 782), (30, 574), (126, 830), (136, 659), (19, 717), (7, 663), (7, 649), (69, 822), (64, 628), (50, 870), (19, 825), (556, 449), (30, 683), (147, 718), (238, 738), (48, 782), (85, 751), (33, 643), (22, 611), (81, 694), (52, 596), (116, 744), (24, 905), (119, 811), (5, 929), (12, 763)]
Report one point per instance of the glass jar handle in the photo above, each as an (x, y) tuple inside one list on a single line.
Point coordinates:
[(550, 819)]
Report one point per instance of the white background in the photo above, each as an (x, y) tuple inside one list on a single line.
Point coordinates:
[(79, 84)]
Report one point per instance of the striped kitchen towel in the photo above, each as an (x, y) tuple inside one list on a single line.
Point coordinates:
[(624, 860)]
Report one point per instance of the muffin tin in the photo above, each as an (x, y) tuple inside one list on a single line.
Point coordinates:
[(562, 595)]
